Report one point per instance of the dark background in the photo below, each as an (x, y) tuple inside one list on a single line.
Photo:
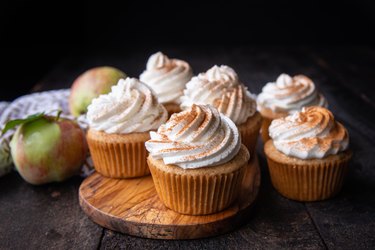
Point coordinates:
[(36, 35)]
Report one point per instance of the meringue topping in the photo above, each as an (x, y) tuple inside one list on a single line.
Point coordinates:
[(222, 75), (167, 77), (220, 87), (311, 133), (197, 137), (290, 94), (130, 107)]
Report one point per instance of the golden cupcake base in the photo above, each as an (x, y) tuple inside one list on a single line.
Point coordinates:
[(199, 191), (119, 155), (306, 180)]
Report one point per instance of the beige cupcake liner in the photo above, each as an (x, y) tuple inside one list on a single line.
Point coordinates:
[(117, 157), (316, 180), (264, 130), (187, 192), (249, 132)]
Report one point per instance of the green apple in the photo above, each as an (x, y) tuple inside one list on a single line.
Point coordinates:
[(48, 149), (90, 85)]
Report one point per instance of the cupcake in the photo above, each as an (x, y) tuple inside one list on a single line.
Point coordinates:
[(197, 161), (119, 125), (308, 154), (220, 87), (286, 96), (167, 77)]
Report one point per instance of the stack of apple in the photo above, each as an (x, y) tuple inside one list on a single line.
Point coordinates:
[(48, 148)]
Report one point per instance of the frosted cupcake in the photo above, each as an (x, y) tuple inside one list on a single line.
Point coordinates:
[(286, 96), (119, 123), (167, 77), (221, 88), (308, 154), (197, 161)]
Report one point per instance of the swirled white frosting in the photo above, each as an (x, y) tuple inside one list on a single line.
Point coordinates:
[(130, 107), (224, 75), (290, 94), (197, 137), (311, 133), (167, 77), (220, 87)]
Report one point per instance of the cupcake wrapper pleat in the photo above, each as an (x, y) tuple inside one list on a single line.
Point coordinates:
[(119, 159), (249, 139), (197, 195), (308, 183), (250, 132), (264, 130)]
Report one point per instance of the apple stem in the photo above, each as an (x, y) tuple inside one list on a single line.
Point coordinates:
[(58, 114)]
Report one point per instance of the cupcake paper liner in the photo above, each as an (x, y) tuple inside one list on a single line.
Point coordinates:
[(316, 180), (196, 195), (119, 158), (264, 130), (199, 191), (249, 132)]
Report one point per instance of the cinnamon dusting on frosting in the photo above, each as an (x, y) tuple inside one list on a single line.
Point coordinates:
[(130, 107), (197, 137), (220, 87), (167, 77), (311, 133)]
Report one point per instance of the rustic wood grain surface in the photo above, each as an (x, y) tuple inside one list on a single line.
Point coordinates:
[(132, 206), (50, 217)]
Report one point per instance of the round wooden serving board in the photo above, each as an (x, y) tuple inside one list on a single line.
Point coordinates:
[(132, 206)]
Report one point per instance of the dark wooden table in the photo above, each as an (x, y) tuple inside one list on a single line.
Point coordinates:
[(49, 216)]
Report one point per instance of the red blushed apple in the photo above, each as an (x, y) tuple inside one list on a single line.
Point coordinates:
[(90, 85), (48, 150)]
